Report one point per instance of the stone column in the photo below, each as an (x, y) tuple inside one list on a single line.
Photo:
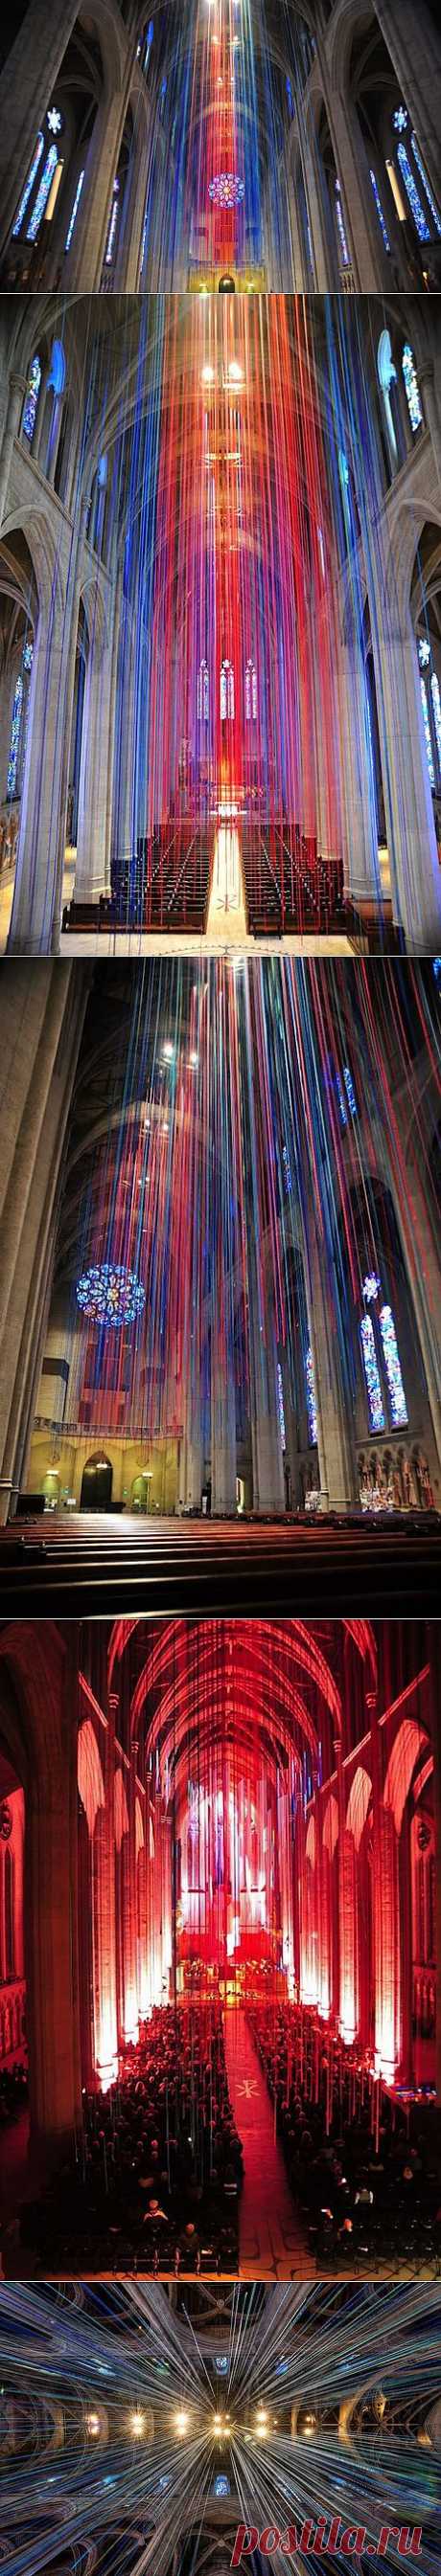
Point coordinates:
[(268, 1482), (435, 1689), (300, 279), (123, 801), (26, 83), (348, 1978), (423, 1277), (292, 1448), (191, 1471), (82, 264), (129, 1921), (415, 869), (370, 259), (92, 871), (128, 257), (47, 1006), (52, 1998), (324, 248), (223, 1442), (415, 52), (14, 407), (361, 865), (36, 910), (106, 2031), (336, 1462)]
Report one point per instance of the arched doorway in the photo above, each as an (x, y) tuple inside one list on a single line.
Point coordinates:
[(96, 1485)]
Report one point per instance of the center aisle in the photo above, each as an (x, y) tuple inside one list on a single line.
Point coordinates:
[(271, 2238)]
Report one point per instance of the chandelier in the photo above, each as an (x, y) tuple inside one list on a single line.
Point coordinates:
[(111, 1295)]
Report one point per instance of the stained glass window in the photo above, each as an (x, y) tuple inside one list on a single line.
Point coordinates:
[(30, 407), (436, 703), (372, 1375), (381, 219), (426, 184), (27, 191), (250, 691), (226, 691), (427, 731), (14, 746), (111, 236), (419, 218), (203, 693), (412, 388), (393, 1367), (311, 1406), (35, 219), (341, 225), (350, 1093), (281, 1405), (74, 210)]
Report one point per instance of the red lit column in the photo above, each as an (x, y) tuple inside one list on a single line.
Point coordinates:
[(347, 1910), (129, 1908), (106, 2034)]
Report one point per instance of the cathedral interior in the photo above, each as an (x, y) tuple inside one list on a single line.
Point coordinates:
[(220, 1288), (220, 1909), (220, 1342), (220, 552), (298, 2411)]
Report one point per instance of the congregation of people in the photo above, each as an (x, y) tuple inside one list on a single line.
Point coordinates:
[(154, 2181), (363, 2164)]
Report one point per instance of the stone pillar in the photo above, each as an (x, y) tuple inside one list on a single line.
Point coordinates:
[(268, 1483), (36, 910), (42, 1018), (28, 77), (387, 1947), (370, 259), (14, 407), (106, 2029), (361, 865), (223, 1405), (266, 1440), (415, 52), (435, 1691), (423, 1277), (324, 249), (336, 1462), (414, 863), (300, 279), (191, 1472), (292, 1447), (128, 259), (82, 264), (223, 1449), (52, 1996), (348, 1977), (129, 1937), (124, 820), (92, 871)]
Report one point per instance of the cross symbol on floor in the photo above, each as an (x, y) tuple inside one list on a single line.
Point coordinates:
[(247, 2088)]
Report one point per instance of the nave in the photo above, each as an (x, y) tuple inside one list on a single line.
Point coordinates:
[(219, 1902)]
